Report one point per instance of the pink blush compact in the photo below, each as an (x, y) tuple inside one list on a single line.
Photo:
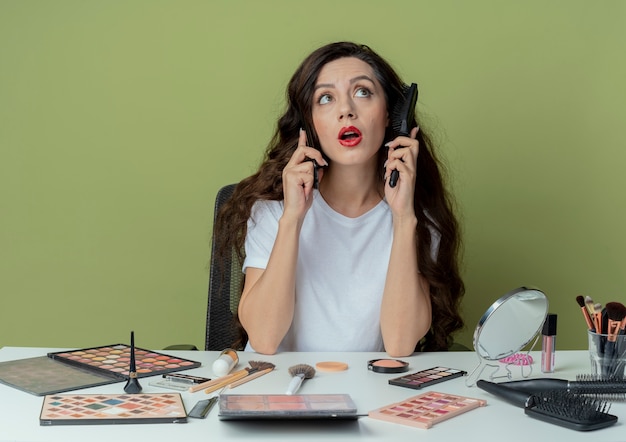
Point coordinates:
[(387, 366)]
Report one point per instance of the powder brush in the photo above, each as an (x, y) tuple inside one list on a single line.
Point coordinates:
[(299, 372)]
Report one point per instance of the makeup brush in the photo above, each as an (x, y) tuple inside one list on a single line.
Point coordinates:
[(250, 377), (616, 312), (589, 304), (299, 372), (604, 320), (132, 385), (259, 368), (222, 382), (231, 377), (597, 315), (583, 308)]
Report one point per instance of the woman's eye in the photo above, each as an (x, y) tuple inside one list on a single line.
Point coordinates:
[(324, 99), (363, 92)]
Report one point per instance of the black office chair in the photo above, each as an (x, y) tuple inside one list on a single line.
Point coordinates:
[(225, 281)]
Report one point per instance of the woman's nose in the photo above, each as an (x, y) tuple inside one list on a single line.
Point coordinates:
[(346, 110)]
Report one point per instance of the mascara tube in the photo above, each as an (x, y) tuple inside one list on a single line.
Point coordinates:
[(548, 342)]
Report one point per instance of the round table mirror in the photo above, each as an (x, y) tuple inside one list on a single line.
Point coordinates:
[(510, 324)]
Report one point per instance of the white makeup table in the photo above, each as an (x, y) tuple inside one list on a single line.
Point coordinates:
[(498, 420)]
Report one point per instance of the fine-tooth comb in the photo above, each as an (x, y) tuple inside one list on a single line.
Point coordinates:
[(402, 118)]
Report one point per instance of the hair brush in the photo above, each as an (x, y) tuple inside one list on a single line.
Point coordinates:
[(402, 118), (299, 372), (613, 389), (560, 407), (570, 411)]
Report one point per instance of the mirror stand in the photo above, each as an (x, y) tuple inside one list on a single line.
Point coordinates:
[(508, 326), (502, 369)]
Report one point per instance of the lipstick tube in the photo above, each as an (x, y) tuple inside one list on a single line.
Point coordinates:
[(548, 348)]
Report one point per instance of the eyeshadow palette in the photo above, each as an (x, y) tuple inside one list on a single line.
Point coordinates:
[(91, 409), (114, 360), (427, 409), (426, 378), (282, 406), (71, 370), (42, 375)]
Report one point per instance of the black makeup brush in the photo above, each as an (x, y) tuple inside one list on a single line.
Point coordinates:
[(556, 407), (615, 312), (299, 372), (402, 118), (132, 385)]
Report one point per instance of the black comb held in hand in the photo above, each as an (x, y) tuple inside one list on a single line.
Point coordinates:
[(402, 118)]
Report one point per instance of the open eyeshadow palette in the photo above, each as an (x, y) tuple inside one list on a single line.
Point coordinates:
[(282, 406), (426, 378), (427, 409), (114, 360), (95, 409), (71, 370)]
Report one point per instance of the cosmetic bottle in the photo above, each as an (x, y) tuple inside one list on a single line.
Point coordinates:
[(225, 362), (548, 343)]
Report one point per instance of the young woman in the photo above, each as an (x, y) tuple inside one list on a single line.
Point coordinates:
[(356, 264)]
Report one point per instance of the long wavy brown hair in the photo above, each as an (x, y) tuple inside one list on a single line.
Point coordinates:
[(433, 204)]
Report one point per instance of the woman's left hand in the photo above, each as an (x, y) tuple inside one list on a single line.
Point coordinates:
[(402, 156)]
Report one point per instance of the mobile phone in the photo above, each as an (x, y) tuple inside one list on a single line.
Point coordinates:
[(309, 142)]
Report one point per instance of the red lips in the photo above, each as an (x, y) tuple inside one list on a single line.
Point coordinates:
[(349, 136)]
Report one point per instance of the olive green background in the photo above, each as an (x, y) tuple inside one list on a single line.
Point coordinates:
[(119, 121)]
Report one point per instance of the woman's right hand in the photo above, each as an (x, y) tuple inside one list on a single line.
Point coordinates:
[(298, 178)]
